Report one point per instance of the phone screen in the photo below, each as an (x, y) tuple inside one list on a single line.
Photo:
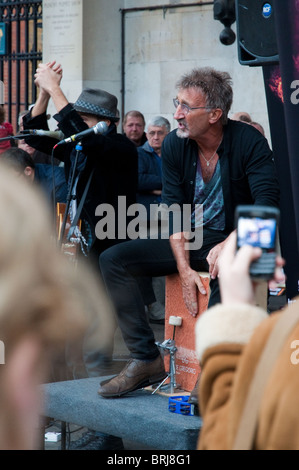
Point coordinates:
[(257, 231)]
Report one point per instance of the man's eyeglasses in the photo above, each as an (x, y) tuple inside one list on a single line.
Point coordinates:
[(185, 108)]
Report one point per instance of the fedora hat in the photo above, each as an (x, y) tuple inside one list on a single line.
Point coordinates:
[(97, 102)]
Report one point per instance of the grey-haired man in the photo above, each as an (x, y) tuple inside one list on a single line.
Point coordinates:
[(209, 161)]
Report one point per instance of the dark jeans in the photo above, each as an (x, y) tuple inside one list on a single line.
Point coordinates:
[(121, 266)]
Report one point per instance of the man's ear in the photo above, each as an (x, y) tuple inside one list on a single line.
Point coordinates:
[(29, 172), (215, 115)]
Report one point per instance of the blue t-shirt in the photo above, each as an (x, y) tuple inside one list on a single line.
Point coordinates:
[(210, 196)]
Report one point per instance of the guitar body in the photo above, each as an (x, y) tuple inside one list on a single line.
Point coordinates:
[(69, 248)]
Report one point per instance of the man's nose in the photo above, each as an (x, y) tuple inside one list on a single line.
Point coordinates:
[(178, 113)]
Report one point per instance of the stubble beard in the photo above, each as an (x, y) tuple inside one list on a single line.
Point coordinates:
[(183, 133)]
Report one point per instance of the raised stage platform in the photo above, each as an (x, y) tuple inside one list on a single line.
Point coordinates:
[(139, 416)]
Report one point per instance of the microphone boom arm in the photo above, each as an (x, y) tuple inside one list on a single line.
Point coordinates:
[(15, 137)]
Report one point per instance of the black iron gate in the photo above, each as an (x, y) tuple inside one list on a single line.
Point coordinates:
[(20, 53)]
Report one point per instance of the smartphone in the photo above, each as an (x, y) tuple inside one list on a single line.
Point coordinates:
[(258, 226)]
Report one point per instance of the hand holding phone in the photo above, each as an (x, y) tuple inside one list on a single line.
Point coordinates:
[(257, 226)]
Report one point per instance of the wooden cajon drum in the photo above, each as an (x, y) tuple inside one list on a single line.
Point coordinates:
[(187, 365)]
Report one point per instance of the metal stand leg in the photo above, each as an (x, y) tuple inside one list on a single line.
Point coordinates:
[(169, 346), (63, 435)]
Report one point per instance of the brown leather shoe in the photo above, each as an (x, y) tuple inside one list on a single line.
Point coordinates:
[(136, 374)]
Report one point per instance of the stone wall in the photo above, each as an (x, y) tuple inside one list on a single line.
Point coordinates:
[(142, 49)]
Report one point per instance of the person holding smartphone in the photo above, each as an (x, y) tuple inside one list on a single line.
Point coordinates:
[(230, 338)]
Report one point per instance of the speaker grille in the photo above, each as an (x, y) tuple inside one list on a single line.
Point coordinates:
[(256, 32)]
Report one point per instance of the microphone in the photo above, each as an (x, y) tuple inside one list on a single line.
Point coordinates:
[(100, 128), (55, 134)]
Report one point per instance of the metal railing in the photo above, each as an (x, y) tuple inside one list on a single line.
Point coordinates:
[(20, 53)]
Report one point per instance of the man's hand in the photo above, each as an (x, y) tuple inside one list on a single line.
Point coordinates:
[(235, 283), (213, 257), (158, 192), (191, 284), (190, 279), (48, 76)]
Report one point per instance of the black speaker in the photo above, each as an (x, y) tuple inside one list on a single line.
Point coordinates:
[(256, 36)]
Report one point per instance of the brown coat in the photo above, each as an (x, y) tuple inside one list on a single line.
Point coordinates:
[(229, 343)]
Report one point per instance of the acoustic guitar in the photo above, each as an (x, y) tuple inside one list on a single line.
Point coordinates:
[(71, 247)]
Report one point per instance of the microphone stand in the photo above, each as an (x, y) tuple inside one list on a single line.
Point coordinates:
[(11, 137), (69, 195)]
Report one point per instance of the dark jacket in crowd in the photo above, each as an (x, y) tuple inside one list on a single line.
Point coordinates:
[(149, 177)]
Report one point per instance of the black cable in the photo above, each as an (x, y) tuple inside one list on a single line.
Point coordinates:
[(53, 188)]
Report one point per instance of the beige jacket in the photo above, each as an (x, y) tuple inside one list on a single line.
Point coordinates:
[(229, 341)]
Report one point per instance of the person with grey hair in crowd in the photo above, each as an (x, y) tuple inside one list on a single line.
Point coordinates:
[(149, 195), (150, 163)]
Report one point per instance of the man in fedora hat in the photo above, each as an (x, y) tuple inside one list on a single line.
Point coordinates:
[(111, 158)]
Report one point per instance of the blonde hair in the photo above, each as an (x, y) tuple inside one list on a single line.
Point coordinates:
[(41, 293)]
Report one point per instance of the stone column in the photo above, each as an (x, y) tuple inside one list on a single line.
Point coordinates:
[(63, 42)]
